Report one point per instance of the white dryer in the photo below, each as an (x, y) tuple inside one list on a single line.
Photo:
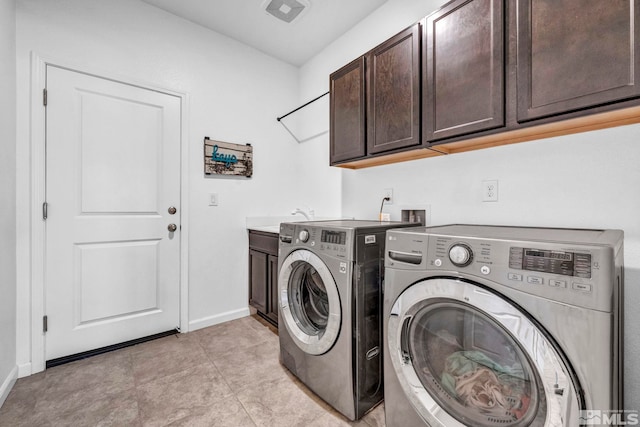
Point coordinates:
[(502, 326), (330, 309)]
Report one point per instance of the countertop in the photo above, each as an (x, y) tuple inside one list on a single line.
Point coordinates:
[(271, 224), (275, 229)]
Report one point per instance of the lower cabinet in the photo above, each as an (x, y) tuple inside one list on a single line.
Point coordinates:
[(263, 274)]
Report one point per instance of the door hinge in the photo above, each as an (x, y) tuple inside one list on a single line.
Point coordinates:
[(44, 97), (45, 210), (45, 323)]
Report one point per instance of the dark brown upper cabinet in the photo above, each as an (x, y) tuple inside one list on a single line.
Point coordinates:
[(493, 72), (464, 69), (348, 109), (393, 93), (575, 54)]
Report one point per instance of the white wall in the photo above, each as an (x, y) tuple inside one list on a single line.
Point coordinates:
[(235, 94), (387, 20), (584, 180), (8, 370)]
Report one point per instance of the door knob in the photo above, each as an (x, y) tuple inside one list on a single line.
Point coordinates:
[(172, 210), (172, 227)]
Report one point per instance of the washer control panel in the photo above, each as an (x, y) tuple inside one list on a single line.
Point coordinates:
[(334, 243), (574, 273), (460, 255), (551, 261)]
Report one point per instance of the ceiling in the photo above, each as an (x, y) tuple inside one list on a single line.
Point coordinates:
[(248, 22)]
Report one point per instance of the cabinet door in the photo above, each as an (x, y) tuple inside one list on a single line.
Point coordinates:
[(393, 93), (273, 288), (258, 280), (347, 127), (464, 68), (575, 54)]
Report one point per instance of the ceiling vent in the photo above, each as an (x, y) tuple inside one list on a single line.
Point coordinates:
[(286, 10)]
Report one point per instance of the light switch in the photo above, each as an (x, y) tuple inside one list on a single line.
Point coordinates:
[(213, 199)]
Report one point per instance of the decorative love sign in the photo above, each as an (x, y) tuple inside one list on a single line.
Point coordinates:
[(225, 158)]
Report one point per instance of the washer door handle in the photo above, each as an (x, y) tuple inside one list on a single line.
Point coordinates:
[(404, 341), (406, 257)]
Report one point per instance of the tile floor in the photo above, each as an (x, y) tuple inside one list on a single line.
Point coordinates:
[(225, 375)]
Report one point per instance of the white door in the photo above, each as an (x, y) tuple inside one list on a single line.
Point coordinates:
[(112, 173)]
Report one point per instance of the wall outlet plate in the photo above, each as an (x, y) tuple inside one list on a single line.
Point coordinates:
[(388, 192), (490, 190)]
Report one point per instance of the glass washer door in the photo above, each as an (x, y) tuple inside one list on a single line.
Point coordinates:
[(465, 356), (309, 302)]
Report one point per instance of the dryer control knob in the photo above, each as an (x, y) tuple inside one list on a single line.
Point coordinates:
[(303, 235), (460, 255)]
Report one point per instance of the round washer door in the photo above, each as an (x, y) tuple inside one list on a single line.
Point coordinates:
[(309, 302), (466, 356)]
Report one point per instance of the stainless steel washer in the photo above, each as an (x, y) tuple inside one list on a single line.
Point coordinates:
[(501, 326), (330, 302)]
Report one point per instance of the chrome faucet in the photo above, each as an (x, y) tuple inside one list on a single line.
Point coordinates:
[(308, 215)]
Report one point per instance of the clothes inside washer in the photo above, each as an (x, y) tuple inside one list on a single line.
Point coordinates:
[(481, 383)]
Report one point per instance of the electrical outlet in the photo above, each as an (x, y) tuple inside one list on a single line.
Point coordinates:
[(490, 191), (213, 199), (388, 192)]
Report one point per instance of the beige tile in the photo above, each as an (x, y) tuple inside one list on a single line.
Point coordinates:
[(375, 417), (253, 364), (152, 362), (29, 384), (182, 380), (174, 397), (160, 345), (30, 419), (21, 402), (281, 403), (258, 323), (89, 406), (331, 419), (232, 337), (227, 412), (110, 371), (116, 410)]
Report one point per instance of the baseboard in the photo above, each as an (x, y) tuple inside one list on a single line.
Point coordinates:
[(24, 370), (7, 384), (218, 318)]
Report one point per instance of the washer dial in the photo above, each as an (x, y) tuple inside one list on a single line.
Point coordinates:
[(303, 235), (460, 255)]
